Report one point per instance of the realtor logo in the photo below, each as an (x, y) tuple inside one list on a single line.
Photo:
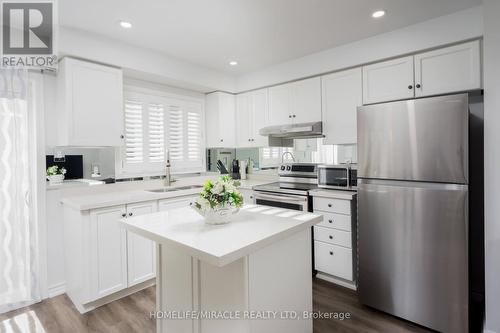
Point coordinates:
[(28, 34)]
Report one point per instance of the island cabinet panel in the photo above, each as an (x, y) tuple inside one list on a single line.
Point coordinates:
[(274, 278), (108, 251), (141, 252)]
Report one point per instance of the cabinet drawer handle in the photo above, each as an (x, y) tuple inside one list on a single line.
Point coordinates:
[(330, 205), (331, 237), (123, 214), (130, 214), (330, 221), (331, 253)]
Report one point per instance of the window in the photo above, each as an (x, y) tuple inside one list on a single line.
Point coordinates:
[(271, 156), (156, 126)]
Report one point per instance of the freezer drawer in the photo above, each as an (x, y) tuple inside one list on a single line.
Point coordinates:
[(421, 140), (413, 253)]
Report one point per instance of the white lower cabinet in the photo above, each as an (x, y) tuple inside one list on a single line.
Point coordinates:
[(108, 252), (103, 261), (335, 240), (141, 252), (166, 204)]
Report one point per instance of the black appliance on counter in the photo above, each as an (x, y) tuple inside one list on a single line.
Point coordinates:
[(72, 163)]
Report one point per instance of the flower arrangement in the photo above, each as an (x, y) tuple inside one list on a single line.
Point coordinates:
[(55, 175), (54, 170), (219, 200)]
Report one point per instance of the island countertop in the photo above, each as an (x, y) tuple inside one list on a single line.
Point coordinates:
[(252, 229)]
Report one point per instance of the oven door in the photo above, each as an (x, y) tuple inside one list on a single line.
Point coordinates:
[(295, 202), (333, 177)]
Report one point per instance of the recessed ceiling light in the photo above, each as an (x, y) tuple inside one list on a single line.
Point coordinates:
[(378, 13), (125, 24), (233, 63)]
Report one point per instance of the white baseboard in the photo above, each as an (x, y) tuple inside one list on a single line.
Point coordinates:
[(336, 280), (57, 289), (488, 331)]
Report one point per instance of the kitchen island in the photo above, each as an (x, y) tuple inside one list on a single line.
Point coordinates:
[(251, 275)]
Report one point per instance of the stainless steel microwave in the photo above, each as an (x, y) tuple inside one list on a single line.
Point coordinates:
[(339, 176)]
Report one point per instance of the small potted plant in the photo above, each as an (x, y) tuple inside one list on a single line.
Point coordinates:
[(219, 200), (55, 175)]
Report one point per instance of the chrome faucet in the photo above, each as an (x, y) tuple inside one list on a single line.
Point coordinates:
[(285, 153), (168, 180)]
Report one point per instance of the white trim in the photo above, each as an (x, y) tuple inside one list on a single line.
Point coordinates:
[(56, 289), (336, 280), (488, 331)]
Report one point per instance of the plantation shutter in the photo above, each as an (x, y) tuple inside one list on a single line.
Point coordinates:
[(155, 125), (156, 133), (185, 131), (134, 149)]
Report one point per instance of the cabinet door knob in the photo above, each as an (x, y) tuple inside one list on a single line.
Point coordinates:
[(123, 214), (221, 140), (130, 214), (122, 136), (294, 116), (330, 221), (418, 85), (331, 253), (410, 87), (331, 237), (290, 116), (249, 139), (330, 205)]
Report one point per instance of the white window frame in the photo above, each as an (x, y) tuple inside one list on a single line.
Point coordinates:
[(122, 170)]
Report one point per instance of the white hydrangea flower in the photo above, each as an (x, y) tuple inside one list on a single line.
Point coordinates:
[(204, 203), (218, 188)]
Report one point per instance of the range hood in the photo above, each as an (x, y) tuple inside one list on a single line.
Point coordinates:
[(283, 135)]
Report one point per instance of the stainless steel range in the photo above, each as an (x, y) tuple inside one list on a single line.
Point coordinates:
[(292, 189)]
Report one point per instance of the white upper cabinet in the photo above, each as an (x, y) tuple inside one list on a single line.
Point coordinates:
[(141, 252), (296, 102), (90, 104), (342, 94), (447, 70), (455, 68), (251, 116), (388, 81), (306, 100), (220, 118), (280, 112)]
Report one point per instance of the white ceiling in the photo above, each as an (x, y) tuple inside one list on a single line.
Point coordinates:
[(256, 33)]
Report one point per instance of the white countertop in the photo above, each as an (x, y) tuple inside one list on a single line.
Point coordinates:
[(336, 194), (253, 228), (125, 196)]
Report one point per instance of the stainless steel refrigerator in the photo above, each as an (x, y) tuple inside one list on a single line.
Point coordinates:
[(413, 210)]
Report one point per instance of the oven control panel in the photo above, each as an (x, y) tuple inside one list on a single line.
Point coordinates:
[(307, 170)]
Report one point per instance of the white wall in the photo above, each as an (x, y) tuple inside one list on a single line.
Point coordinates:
[(492, 161), (142, 63), (443, 30)]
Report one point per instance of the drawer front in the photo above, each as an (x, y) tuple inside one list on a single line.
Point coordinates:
[(334, 220), (334, 260), (332, 205), (333, 236)]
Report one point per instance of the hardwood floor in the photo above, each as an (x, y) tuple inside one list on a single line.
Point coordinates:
[(131, 314)]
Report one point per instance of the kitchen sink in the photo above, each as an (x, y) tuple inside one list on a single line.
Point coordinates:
[(173, 189)]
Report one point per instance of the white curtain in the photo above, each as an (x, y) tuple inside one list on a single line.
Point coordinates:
[(19, 285)]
